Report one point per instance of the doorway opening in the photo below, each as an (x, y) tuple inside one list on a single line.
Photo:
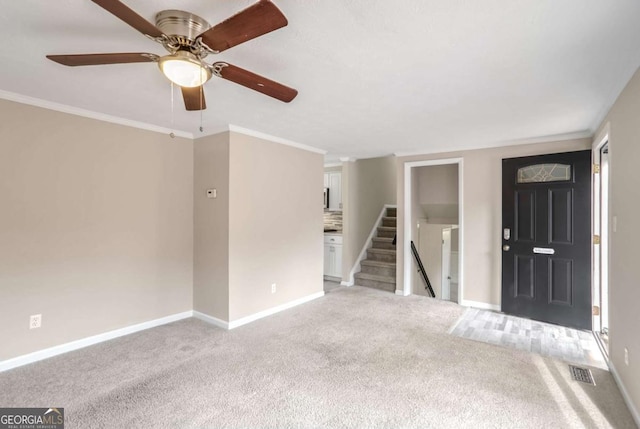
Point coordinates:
[(433, 223), (601, 229)]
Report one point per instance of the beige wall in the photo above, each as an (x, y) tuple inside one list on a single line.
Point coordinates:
[(211, 226), (369, 185), (438, 184), (624, 273), (275, 224), (264, 227), (417, 212), (95, 227), (482, 215), (435, 194)]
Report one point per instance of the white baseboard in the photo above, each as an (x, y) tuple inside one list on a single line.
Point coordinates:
[(363, 252), (480, 305), (95, 339), (401, 292), (89, 341), (252, 318), (625, 394), (210, 319), (350, 283)]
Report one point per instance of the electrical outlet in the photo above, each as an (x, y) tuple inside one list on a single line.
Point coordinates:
[(626, 356), (35, 321), (273, 288)]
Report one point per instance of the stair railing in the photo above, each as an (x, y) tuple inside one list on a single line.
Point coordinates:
[(422, 271)]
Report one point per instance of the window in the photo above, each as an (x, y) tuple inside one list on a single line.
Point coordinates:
[(544, 173)]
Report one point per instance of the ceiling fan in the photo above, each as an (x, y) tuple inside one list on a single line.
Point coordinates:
[(189, 39)]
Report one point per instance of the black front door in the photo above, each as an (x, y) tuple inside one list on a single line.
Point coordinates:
[(546, 238)]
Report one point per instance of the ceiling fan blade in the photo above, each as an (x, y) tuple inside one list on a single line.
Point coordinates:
[(256, 82), (98, 59), (256, 20), (194, 98), (122, 11)]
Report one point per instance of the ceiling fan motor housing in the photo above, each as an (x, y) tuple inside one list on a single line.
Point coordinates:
[(183, 26)]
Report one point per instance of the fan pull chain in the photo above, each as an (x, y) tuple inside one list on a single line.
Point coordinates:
[(172, 134)]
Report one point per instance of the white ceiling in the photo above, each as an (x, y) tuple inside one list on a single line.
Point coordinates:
[(375, 77)]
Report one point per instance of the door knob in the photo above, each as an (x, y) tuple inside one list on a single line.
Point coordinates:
[(506, 247)]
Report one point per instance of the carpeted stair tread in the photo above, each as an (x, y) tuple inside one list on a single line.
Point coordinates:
[(389, 221), (382, 251), (378, 263), (387, 228), (381, 279), (383, 243)]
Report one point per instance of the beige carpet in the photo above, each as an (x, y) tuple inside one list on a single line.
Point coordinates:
[(357, 358)]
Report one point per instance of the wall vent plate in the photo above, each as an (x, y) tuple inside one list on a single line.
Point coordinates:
[(582, 375)]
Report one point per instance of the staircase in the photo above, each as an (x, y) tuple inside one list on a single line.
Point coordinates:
[(378, 270)]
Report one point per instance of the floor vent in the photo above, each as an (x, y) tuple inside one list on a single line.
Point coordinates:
[(581, 374)]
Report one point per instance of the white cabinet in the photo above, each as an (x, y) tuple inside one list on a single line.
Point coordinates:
[(333, 255), (333, 181)]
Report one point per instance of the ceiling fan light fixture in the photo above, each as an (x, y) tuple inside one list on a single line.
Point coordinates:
[(184, 69)]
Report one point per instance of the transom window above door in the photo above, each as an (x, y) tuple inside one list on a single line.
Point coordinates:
[(542, 173)]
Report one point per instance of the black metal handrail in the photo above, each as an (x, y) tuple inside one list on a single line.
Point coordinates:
[(422, 271)]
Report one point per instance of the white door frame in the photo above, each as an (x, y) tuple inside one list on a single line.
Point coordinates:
[(598, 142), (408, 257)]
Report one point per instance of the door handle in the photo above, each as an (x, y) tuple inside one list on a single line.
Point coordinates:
[(506, 247)]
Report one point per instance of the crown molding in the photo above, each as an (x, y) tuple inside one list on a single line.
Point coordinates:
[(534, 140), (274, 139), (212, 131), (263, 136), (63, 108)]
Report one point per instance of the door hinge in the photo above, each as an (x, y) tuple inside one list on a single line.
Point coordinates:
[(596, 168), (596, 239), (596, 310)]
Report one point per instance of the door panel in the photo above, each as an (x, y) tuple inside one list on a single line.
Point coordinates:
[(525, 274), (560, 281), (560, 216), (546, 263), (526, 215)]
